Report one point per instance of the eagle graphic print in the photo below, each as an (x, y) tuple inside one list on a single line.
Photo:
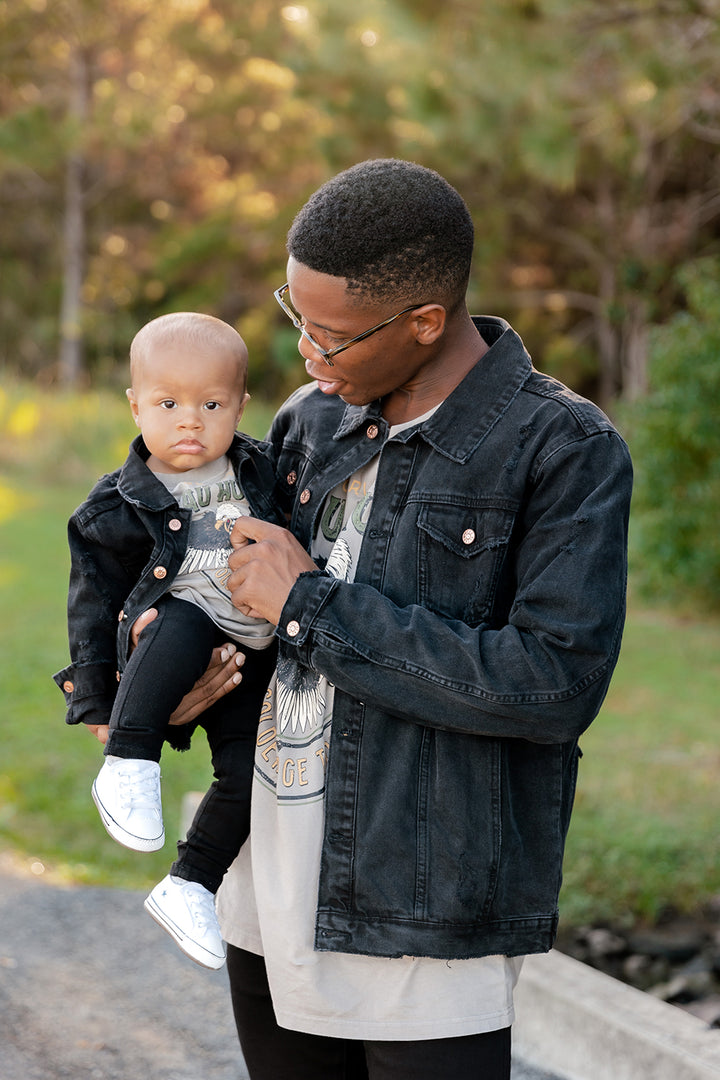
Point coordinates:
[(294, 734)]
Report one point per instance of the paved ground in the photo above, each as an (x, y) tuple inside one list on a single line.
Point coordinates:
[(92, 989)]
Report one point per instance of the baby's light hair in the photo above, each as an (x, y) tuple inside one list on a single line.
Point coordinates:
[(190, 327)]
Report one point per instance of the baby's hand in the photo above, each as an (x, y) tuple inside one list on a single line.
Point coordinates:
[(140, 623), (100, 731)]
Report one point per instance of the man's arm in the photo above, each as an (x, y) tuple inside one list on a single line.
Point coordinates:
[(541, 676)]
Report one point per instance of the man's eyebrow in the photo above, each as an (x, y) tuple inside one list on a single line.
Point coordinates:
[(321, 326), (328, 329)]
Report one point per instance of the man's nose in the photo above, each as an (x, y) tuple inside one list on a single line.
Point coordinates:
[(310, 352)]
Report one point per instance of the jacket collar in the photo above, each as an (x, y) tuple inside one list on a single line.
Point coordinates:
[(467, 416), (139, 486)]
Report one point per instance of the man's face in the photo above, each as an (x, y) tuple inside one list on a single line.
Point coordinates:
[(389, 360)]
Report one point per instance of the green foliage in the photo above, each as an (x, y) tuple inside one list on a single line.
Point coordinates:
[(644, 831), (581, 134), (675, 440)]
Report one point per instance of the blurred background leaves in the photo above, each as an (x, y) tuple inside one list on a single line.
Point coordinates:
[(152, 158)]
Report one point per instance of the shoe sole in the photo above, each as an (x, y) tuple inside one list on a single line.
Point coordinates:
[(187, 945), (135, 843)]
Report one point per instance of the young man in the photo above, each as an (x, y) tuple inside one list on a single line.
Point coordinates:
[(447, 639)]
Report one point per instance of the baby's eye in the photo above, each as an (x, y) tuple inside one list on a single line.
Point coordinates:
[(168, 403), (211, 406)]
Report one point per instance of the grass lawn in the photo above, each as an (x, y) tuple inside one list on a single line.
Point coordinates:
[(644, 833), (645, 830)]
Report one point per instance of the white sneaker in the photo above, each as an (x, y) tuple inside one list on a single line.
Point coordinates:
[(126, 791), (187, 911)]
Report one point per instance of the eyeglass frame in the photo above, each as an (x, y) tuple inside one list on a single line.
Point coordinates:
[(326, 354)]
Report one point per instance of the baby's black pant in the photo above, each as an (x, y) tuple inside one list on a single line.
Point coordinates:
[(172, 653)]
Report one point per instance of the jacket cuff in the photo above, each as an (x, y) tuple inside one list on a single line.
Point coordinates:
[(89, 692), (307, 598)]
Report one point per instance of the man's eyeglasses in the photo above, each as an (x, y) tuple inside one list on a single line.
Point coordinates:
[(283, 299)]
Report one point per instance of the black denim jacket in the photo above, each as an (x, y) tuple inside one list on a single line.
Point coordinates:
[(127, 543), (475, 645)]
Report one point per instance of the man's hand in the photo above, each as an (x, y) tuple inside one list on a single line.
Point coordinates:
[(264, 572), (220, 678)]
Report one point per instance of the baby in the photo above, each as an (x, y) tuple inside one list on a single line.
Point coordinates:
[(156, 533)]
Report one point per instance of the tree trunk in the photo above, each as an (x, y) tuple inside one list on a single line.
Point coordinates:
[(71, 361), (635, 352)]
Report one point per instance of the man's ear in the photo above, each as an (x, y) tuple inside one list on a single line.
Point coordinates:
[(133, 405), (429, 323)]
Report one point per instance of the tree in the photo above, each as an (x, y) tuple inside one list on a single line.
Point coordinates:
[(675, 439), (166, 144), (593, 125), (582, 135)]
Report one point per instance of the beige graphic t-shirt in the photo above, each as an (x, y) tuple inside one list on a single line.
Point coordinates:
[(267, 906)]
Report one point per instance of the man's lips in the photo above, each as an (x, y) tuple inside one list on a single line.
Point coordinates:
[(327, 386)]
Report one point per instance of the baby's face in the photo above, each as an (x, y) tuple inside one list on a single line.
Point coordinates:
[(187, 402)]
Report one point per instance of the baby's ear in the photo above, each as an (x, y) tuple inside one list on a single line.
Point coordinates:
[(133, 405), (243, 403)]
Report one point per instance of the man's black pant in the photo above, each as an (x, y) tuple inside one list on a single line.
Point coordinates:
[(274, 1053)]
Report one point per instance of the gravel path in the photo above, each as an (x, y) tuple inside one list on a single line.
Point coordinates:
[(92, 989)]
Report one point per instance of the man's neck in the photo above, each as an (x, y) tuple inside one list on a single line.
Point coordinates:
[(461, 348)]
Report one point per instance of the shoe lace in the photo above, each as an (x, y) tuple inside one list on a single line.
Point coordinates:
[(138, 788), (200, 906)]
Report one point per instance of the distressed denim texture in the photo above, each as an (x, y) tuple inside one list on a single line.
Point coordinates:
[(475, 646), (124, 556)]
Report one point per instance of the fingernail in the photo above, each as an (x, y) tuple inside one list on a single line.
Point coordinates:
[(237, 677), (240, 659), (224, 655)]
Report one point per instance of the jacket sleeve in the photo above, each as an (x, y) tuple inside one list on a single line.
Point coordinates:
[(98, 586), (542, 675)]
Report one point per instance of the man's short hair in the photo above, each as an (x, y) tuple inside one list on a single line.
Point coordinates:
[(394, 229)]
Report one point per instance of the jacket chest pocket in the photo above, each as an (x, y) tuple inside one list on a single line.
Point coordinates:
[(461, 549)]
